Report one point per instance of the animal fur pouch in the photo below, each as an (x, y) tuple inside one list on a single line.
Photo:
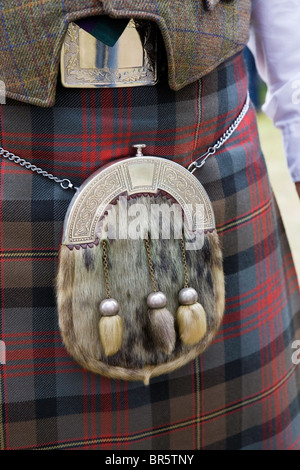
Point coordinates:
[(138, 293)]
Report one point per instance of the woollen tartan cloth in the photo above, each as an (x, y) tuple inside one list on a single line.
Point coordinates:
[(198, 36), (243, 392)]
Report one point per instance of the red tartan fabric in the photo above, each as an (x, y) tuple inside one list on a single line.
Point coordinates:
[(243, 392)]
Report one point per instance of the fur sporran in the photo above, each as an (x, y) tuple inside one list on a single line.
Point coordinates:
[(138, 306)]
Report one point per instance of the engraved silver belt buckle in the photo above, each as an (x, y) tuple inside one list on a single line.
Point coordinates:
[(88, 63)]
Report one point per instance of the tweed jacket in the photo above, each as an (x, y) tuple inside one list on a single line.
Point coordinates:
[(198, 36)]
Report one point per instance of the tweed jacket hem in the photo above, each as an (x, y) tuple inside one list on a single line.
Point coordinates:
[(198, 36)]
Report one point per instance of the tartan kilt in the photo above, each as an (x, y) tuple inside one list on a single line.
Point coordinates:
[(243, 392)]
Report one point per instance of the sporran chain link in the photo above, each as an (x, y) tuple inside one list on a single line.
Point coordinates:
[(64, 183), (199, 162)]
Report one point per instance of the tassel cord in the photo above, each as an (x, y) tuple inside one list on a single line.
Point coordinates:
[(151, 269), (105, 267), (185, 269)]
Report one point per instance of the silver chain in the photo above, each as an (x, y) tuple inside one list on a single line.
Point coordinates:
[(67, 184), (227, 134), (64, 183)]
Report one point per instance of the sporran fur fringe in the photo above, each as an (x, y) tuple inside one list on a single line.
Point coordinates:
[(81, 287)]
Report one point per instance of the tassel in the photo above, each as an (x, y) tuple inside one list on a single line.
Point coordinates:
[(161, 322), (191, 317), (111, 324), (110, 327)]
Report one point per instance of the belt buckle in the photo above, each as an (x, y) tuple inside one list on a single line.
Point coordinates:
[(88, 63)]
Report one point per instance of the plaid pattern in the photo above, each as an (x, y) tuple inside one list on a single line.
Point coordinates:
[(243, 393), (197, 37)]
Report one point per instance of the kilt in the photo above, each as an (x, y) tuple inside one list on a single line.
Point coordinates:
[(243, 392)]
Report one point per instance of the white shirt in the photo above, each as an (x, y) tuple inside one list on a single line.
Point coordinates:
[(275, 43)]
